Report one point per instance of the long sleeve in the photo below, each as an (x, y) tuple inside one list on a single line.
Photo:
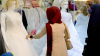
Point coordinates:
[(67, 34), (23, 29), (42, 33), (3, 18)]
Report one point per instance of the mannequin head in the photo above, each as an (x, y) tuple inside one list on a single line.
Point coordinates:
[(84, 10), (13, 4), (27, 4), (35, 3), (64, 4)]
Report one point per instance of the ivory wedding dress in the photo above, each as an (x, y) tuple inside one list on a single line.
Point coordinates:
[(15, 35), (34, 17), (81, 27), (40, 44), (77, 46), (36, 21)]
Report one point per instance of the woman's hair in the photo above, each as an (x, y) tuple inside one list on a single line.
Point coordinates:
[(9, 3), (84, 10)]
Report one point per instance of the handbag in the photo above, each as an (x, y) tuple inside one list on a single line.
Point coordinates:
[(69, 45), (68, 42)]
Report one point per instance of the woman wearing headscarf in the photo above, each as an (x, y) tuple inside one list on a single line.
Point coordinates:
[(92, 48), (55, 30)]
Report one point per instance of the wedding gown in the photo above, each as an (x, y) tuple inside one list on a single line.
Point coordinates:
[(40, 44), (33, 20), (81, 27), (15, 35), (77, 46), (34, 17)]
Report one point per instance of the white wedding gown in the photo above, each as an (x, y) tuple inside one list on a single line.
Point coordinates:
[(40, 44), (81, 27), (33, 20), (15, 34), (77, 46), (34, 17)]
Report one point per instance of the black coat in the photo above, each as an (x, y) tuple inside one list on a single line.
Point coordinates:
[(24, 20), (93, 32)]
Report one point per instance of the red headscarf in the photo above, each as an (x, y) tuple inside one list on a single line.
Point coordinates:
[(53, 16)]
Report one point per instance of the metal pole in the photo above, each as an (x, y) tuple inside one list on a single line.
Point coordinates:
[(21, 7)]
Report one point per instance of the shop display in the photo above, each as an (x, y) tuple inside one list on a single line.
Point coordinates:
[(67, 19), (15, 34), (34, 18)]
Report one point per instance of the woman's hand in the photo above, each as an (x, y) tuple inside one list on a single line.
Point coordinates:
[(28, 36)]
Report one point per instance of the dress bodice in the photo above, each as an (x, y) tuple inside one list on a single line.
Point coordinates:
[(66, 18), (82, 23), (13, 21), (83, 20)]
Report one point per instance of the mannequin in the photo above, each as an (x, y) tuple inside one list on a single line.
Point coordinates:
[(15, 40), (67, 19), (41, 3), (71, 7), (57, 3), (27, 4), (82, 24), (35, 3)]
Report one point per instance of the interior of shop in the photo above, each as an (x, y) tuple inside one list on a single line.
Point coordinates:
[(34, 18)]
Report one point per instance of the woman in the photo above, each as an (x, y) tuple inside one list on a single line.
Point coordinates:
[(82, 24), (92, 48), (55, 29)]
